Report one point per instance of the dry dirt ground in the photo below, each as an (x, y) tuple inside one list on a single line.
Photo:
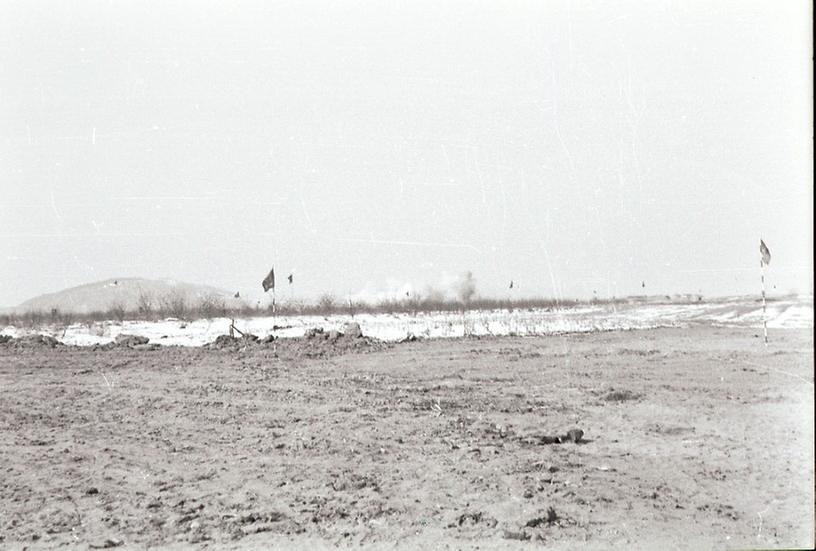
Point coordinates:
[(693, 438)]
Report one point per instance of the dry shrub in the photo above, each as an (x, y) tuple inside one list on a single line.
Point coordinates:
[(173, 304), (212, 306), (145, 304), (326, 304), (117, 310), (33, 318)]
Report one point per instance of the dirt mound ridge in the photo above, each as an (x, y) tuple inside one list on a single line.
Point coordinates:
[(231, 342), (130, 341), (316, 343), (31, 341)]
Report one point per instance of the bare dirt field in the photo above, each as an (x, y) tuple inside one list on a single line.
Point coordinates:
[(692, 438)]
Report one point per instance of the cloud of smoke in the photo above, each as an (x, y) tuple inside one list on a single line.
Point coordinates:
[(449, 287), (394, 290), (465, 287), (461, 287)]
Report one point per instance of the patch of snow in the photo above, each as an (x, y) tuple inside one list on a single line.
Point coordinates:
[(795, 317), (394, 327)]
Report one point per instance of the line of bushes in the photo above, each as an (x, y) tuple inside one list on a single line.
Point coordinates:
[(176, 305)]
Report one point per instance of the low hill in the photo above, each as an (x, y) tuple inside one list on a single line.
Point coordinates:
[(127, 293)]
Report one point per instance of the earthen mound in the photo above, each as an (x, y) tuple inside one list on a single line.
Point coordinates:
[(225, 341), (35, 341), (130, 341), (319, 343)]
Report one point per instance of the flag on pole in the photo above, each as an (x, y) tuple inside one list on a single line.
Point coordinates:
[(764, 261), (291, 277), (766, 254), (269, 281)]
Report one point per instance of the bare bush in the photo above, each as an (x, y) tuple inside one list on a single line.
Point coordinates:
[(244, 309), (212, 306), (173, 304), (326, 304), (145, 304), (63, 319), (414, 303), (117, 310), (388, 306), (294, 306), (33, 318)]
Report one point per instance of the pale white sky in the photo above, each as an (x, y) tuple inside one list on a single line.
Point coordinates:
[(569, 146)]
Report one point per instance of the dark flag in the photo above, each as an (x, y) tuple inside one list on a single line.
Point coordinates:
[(237, 294), (511, 283), (643, 284), (269, 281), (766, 254), (290, 278), (765, 261)]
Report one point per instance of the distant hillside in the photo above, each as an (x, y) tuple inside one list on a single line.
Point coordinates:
[(126, 292)]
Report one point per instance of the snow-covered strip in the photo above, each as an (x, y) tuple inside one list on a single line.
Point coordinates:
[(794, 317), (391, 327)]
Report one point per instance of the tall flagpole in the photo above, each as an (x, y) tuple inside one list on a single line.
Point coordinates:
[(764, 259), (764, 314)]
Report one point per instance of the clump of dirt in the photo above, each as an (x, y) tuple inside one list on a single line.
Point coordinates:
[(575, 436), (353, 481), (223, 341), (621, 396), (104, 347), (474, 518), (34, 341), (550, 518), (669, 430), (318, 343), (109, 543), (315, 332), (353, 330), (514, 535), (638, 352), (130, 341), (229, 342), (541, 527)]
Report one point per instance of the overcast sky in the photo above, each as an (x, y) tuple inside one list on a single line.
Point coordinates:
[(569, 146)]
